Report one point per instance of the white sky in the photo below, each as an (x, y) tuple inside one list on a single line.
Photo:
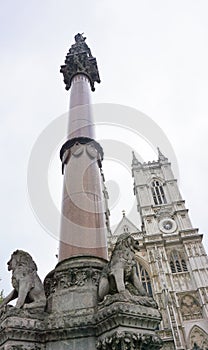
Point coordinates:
[(152, 55)]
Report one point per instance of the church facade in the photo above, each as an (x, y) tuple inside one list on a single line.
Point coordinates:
[(172, 262)]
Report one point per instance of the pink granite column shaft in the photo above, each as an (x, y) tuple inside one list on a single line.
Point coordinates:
[(80, 113), (83, 229)]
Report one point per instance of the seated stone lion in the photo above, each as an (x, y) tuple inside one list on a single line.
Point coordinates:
[(28, 287), (120, 273)]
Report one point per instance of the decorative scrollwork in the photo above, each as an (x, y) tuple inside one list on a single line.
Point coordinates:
[(129, 341)]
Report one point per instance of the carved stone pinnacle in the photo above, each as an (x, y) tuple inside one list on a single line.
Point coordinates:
[(79, 60)]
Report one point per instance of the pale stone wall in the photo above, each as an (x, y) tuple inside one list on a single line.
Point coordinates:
[(182, 295)]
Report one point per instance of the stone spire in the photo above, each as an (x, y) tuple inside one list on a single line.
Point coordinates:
[(135, 162), (161, 156), (83, 223)]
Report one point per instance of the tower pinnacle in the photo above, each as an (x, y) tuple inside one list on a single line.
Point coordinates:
[(161, 156), (135, 160)]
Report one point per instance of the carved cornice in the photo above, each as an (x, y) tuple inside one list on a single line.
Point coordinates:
[(33, 316), (126, 314), (21, 328)]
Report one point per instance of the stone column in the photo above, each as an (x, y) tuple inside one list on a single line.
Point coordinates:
[(83, 229), (80, 113)]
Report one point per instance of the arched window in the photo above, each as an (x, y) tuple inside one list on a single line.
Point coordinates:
[(172, 266), (177, 264), (184, 266), (158, 192), (144, 278), (198, 338)]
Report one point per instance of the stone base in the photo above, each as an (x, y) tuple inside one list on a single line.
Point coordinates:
[(68, 321), (124, 325), (73, 319), (22, 329)]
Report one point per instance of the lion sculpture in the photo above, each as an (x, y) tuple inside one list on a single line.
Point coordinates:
[(120, 274), (28, 287)]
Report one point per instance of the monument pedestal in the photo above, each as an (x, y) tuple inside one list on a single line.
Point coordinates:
[(74, 320), (71, 291), (126, 325)]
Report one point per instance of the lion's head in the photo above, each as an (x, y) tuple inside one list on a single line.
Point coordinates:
[(20, 258), (126, 241)]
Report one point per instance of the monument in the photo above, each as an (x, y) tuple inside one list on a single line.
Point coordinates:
[(87, 301)]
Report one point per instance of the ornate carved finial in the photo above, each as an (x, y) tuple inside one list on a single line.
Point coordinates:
[(161, 156), (124, 213), (79, 60), (135, 161)]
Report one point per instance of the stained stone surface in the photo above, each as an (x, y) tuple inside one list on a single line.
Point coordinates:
[(73, 344), (75, 282), (22, 329)]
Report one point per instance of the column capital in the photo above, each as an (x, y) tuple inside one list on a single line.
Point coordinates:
[(79, 60)]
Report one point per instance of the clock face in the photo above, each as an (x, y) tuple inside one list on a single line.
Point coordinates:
[(167, 225)]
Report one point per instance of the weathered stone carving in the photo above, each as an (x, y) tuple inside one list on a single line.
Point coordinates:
[(79, 60), (190, 307), (28, 288), (129, 341), (70, 278), (120, 274)]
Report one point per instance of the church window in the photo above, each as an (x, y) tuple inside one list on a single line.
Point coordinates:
[(145, 279), (172, 266), (158, 192), (184, 266), (198, 338), (177, 264)]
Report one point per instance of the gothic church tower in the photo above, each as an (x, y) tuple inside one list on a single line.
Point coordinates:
[(172, 256)]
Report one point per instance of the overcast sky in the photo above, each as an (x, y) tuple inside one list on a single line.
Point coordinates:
[(152, 55)]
